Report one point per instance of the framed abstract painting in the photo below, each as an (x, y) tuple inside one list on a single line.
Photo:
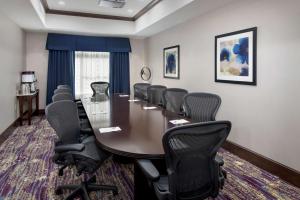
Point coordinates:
[(171, 62), (235, 57)]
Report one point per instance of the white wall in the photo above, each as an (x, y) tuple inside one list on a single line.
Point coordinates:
[(12, 53), (37, 60), (265, 117), (137, 61)]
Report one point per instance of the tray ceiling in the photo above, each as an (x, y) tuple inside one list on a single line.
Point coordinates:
[(89, 8)]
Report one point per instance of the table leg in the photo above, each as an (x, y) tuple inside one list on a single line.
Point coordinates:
[(142, 190), (21, 110), (29, 110)]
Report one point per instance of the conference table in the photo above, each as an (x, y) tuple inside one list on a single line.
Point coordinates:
[(142, 129)]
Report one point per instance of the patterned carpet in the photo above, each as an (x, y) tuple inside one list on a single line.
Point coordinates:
[(27, 172)]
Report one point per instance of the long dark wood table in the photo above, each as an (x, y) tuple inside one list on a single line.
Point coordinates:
[(141, 134)]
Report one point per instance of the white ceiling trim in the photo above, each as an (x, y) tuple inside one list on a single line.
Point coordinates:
[(91, 6)]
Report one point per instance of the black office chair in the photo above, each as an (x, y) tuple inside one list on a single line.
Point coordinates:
[(100, 87), (68, 96), (84, 123), (194, 170), (63, 87), (201, 107), (172, 99), (62, 90), (62, 96), (140, 90), (71, 150), (154, 94), (68, 90)]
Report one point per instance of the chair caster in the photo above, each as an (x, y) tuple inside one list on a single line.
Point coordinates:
[(60, 173), (93, 180), (115, 192), (58, 191), (224, 174)]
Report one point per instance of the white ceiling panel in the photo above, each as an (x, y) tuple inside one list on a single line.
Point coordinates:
[(131, 8)]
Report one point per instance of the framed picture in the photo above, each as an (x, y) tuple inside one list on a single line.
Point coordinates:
[(171, 62), (235, 57)]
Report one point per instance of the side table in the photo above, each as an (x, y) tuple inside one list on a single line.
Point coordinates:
[(27, 98)]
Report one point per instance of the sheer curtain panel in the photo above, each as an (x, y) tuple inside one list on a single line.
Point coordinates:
[(90, 67)]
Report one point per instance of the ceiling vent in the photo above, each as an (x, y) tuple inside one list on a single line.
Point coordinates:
[(112, 3)]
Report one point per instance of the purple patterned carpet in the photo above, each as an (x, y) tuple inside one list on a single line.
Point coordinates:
[(27, 172)]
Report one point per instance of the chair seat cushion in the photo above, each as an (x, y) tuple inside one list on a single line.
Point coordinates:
[(91, 157)]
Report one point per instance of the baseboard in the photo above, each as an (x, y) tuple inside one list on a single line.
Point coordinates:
[(7, 132), (286, 173)]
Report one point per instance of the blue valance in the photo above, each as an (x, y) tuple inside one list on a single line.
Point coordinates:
[(87, 43)]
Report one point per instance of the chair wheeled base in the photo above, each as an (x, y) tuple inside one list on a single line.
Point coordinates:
[(82, 190)]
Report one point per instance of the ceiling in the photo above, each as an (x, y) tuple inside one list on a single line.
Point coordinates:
[(32, 15), (131, 8)]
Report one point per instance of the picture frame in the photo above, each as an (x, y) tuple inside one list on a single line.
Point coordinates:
[(235, 57), (171, 62)]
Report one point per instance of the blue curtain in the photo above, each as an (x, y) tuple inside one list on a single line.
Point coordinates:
[(119, 73), (87, 43), (61, 70)]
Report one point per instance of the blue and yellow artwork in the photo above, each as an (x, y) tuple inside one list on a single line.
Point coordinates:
[(171, 62), (236, 57)]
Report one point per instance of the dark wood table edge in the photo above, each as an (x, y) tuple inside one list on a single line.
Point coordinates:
[(128, 154)]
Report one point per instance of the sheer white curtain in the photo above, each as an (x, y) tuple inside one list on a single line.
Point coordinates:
[(90, 67)]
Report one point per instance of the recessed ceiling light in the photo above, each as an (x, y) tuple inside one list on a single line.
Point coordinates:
[(61, 3), (130, 11)]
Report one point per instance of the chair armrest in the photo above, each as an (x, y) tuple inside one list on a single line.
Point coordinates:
[(170, 171), (86, 131), (161, 105), (82, 115), (181, 113), (219, 160), (69, 147), (148, 169)]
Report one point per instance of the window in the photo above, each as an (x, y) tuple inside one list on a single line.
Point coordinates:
[(90, 67)]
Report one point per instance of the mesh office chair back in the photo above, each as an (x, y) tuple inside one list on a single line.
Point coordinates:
[(100, 88), (201, 107), (140, 90), (154, 94), (62, 96), (190, 158), (173, 99), (63, 118), (63, 90), (63, 87)]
